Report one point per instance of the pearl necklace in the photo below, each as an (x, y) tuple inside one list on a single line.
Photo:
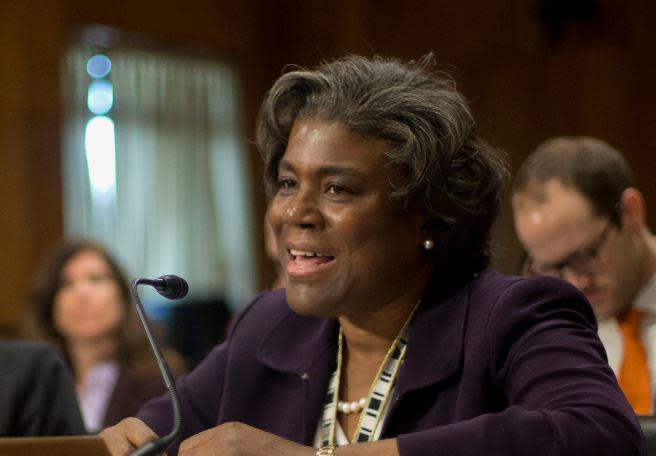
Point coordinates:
[(346, 407)]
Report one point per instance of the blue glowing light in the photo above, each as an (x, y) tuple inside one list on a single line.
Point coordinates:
[(99, 142), (100, 97), (99, 66)]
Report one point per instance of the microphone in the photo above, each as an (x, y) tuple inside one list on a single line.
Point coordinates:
[(171, 287)]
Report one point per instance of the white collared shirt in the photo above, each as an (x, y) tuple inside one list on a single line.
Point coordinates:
[(611, 334), (96, 392)]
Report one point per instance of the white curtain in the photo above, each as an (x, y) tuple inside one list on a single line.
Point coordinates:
[(182, 202)]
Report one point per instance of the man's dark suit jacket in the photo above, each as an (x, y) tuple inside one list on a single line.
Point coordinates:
[(38, 397), (502, 366)]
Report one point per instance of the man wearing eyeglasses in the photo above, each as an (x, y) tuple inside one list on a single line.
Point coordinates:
[(580, 218)]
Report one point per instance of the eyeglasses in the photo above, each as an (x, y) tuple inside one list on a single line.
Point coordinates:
[(582, 262)]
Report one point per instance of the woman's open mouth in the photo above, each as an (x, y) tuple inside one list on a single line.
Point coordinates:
[(303, 262)]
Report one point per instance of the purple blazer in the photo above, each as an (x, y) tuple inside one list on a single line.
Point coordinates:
[(501, 366)]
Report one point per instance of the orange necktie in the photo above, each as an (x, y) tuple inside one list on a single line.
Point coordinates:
[(634, 372)]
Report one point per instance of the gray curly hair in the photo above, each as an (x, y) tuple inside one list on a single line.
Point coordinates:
[(449, 175)]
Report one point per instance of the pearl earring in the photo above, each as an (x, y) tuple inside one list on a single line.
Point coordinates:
[(429, 244)]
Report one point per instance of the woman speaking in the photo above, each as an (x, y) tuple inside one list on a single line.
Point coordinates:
[(391, 337)]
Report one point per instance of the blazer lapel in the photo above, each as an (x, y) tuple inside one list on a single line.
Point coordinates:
[(304, 347), (435, 343)]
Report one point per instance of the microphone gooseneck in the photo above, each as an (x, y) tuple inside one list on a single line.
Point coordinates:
[(171, 287)]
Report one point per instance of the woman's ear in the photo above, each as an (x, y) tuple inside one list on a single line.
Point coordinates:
[(634, 212)]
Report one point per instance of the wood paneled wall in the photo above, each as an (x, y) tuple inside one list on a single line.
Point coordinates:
[(598, 79)]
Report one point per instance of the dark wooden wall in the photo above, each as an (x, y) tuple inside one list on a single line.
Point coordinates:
[(598, 77)]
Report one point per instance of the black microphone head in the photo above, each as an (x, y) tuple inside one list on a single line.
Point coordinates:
[(174, 287)]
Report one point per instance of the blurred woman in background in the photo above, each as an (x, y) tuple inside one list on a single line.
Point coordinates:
[(80, 302)]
